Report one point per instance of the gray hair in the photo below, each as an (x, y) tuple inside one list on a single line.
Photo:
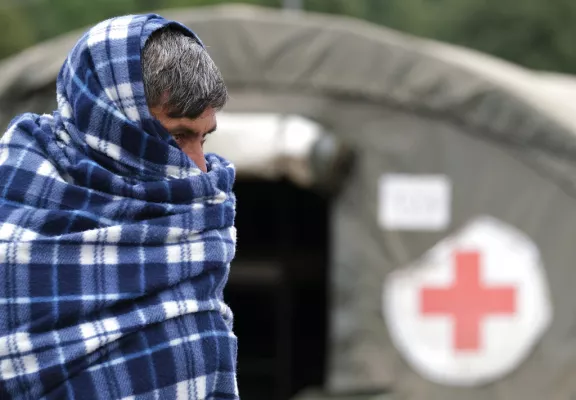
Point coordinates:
[(179, 75)]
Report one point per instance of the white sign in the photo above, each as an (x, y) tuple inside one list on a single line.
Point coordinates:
[(471, 310), (414, 202)]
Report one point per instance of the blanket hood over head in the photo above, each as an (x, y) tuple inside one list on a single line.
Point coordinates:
[(114, 246)]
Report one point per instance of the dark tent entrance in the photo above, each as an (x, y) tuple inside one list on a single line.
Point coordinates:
[(288, 172), (278, 288)]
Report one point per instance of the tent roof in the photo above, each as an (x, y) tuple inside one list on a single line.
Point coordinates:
[(339, 56)]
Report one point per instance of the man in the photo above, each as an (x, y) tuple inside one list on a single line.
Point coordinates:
[(116, 231)]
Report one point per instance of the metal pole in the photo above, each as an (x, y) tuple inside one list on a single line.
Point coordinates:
[(292, 4)]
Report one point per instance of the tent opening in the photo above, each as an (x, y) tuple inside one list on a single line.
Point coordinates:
[(278, 288)]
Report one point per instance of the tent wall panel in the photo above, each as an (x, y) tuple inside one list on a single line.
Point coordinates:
[(504, 139)]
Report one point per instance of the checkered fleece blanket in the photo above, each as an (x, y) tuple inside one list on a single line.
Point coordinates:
[(114, 247)]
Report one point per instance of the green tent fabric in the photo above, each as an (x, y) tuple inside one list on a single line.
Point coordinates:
[(504, 137)]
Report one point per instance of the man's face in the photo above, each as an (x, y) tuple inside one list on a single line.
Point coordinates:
[(190, 134)]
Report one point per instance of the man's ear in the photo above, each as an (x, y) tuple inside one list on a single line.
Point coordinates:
[(160, 109), (158, 112)]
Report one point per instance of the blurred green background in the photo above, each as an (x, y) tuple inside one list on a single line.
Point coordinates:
[(538, 34)]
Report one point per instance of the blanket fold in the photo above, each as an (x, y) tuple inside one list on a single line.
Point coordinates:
[(114, 246)]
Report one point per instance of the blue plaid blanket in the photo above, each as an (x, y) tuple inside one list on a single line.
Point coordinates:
[(114, 247)]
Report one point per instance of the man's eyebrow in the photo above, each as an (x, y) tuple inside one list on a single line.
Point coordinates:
[(213, 129), (187, 131)]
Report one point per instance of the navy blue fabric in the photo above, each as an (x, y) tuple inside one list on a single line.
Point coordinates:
[(114, 246)]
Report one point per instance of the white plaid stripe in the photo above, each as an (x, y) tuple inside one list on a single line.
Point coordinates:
[(177, 235), (108, 235), (220, 198), (114, 29), (7, 137), (177, 308), (197, 386), (5, 150), (66, 111), (8, 231), (187, 252), (98, 334), (177, 172), (91, 254), (47, 169), (110, 149), (15, 253), (16, 357), (123, 96), (119, 28), (63, 299), (98, 34)]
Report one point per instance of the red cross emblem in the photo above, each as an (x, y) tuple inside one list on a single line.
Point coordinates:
[(471, 308), (468, 301)]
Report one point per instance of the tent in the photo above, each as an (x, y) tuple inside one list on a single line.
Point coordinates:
[(446, 243)]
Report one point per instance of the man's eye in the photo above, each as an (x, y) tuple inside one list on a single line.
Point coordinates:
[(179, 137)]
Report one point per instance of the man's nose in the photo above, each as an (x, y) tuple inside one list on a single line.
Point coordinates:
[(197, 155), (201, 163)]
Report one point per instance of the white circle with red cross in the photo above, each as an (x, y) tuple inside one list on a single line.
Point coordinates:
[(472, 308)]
